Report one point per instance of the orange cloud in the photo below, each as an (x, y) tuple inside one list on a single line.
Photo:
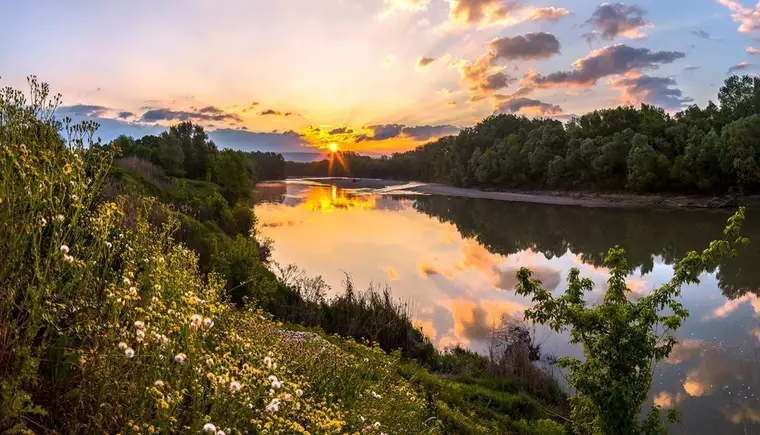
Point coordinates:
[(392, 274)]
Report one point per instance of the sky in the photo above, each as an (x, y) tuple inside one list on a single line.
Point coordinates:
[(372, 76)]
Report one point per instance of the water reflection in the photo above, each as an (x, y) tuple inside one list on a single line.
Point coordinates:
[(456, 259)]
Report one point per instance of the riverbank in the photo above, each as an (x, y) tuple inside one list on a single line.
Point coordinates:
[(575, 198)]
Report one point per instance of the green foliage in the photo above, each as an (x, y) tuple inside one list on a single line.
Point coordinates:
[(699, 150), (622, 339)]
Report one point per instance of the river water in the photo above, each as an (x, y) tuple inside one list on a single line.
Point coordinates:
[(455, 259)]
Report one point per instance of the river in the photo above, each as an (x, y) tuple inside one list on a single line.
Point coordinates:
[(455, 260)]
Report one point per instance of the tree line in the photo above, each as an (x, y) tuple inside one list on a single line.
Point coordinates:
[(185, 151), (710, 150)]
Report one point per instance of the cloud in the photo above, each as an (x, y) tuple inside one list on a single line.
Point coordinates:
[(659, 91), (699, 33), (418, 133), (425, 132), (607, 61), (427, 270), (423, 63), (526, 106), (611, 20), (125, 115), (530, 46), (550, 14), (271, 112), (84, 110), (390, 6), (385, 131), (739, 67), (747, 17), (341, 130), (691, 68), (209, 113), (464, 13), (287, 141), (752, 51), (482, 78), (392, 273), (482, 12)]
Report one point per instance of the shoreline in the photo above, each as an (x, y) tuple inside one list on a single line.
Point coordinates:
[(573, 198)]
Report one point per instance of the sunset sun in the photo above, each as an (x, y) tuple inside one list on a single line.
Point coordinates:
[(333, 147)]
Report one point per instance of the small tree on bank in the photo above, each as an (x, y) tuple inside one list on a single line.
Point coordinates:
[(622, 339)]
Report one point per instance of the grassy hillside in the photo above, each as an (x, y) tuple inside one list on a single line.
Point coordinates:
[(110, 325)]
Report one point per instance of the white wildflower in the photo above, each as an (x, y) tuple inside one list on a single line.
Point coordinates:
[(140, 335), (129, 353), (276, 384), (209, 362), (43, 222), (133, 291), (288, 397), (235, 386), (68, 258), (127, 281), (159, 383), (74, 197), (272, 378), (195, 320), (180, 358), (123, 346), (209, 428), (109, 245), (59, 218), (274, 405), (268, 361), (208, 322), (64, 249), (221, 432), (377, 424), (299, 392), (376, 396), (154, 299), (157, 287), (139, 325)]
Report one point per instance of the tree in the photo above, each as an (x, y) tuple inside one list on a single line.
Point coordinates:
[(739, 97), (740, 153), (622, 339), (647, 167)]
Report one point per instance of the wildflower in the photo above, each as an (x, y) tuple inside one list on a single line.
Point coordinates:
[(288, 397), (180, 358), (68, 258), (361, 417), (159, 383), (299, 392), (209, 428), (157, 287), (208, 322), (210, 377), (133, 291), (129, 352), (140, 335), (271, 353), (43, 222), (74, 197), (161, 260), (127, 281), (209, 362), (276, 384), (235, 386), (109, 245), (139, 325), (67, 169), (195, 320), (64, 249), (221, 432), (123, 346), (59, 218), (377, 424), (154, 299), (268, 361), (273, 406), (376, 396), (272, 378)]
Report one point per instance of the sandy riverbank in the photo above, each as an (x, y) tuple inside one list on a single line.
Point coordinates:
[(583, 199)]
